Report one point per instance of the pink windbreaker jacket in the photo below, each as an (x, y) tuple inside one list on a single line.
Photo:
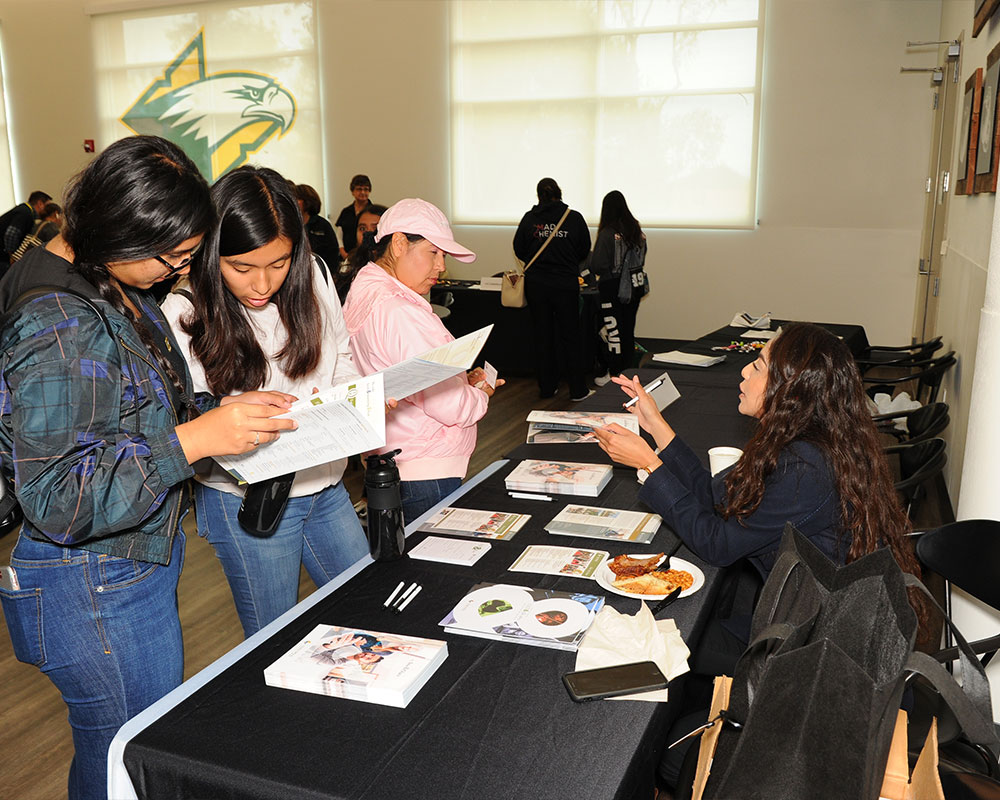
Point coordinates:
[(435, 428)]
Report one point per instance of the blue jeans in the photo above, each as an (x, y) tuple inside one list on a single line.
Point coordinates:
[(319, 530), (418, 496), (105, 631)]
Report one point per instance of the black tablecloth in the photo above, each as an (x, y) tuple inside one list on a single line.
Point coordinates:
[(512, 344), (493, 722)]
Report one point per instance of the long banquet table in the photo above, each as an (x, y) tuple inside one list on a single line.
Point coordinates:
[(494, 721)]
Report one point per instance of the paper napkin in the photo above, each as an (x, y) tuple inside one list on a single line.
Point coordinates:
[(615, 638)]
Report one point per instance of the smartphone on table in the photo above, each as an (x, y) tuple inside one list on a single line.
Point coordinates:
[(621, 679)]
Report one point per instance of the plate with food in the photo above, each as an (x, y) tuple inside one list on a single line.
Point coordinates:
[(645, 577)]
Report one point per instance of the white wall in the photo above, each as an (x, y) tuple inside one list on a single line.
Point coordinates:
[(844, 140)]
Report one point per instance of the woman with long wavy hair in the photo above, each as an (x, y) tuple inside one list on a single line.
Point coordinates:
[(262, 313), (815, 461)]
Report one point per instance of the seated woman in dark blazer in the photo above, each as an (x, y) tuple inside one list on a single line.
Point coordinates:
[(815, 461)]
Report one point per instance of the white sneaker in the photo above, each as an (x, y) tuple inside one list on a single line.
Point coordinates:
[(602, 380), (578, 399)]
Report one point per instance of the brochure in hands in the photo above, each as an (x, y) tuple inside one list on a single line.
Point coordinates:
[(605, 523), (559, 477), (573, 427), (537, 617), (384, 668)]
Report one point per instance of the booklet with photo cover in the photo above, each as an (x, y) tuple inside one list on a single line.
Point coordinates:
[(374, 667), (605, 523), (559, 477), (519, 614), (480, 524)]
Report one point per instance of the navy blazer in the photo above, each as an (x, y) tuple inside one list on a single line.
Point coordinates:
[(801, 490)]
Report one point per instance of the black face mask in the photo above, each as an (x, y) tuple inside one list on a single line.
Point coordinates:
[(368, 240)]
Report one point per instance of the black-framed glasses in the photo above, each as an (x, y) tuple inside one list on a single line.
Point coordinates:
[(174, 268)]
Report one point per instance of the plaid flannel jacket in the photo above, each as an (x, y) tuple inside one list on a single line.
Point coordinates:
[(87, 420)]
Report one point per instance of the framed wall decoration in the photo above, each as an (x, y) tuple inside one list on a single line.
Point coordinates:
[(988, 152), (984, 9), (969, 134)]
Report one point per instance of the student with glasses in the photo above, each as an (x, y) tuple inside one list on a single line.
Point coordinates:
[(99, 429)]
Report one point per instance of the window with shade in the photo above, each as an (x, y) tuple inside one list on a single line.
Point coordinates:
[(7, 197), (230, 82), (657, 98)]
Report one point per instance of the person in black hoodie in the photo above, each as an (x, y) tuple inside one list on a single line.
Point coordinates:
[(552, 285)]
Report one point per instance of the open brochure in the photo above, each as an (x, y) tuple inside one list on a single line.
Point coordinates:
[(430, 368), (581, 421), (549, 560), (334, 423), (538, 617), (605, 523), (481, 524), (384, 668)]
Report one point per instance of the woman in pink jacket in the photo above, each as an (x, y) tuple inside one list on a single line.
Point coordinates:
[(389, 321)]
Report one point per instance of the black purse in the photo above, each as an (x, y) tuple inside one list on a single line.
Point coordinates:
[(264, 505)]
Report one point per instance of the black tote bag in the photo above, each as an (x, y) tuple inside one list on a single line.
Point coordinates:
[(814, 697)]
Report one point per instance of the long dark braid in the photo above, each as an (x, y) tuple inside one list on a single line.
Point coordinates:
[(99, 276)]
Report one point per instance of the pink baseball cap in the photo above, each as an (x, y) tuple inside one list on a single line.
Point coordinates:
[(418, 216)]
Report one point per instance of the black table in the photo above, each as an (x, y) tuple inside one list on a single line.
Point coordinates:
[(493, 722), (512, 344)]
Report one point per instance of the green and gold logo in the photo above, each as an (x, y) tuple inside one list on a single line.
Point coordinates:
[(218, 119)]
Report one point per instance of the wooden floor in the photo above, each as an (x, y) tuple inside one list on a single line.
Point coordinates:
[(35, 740)]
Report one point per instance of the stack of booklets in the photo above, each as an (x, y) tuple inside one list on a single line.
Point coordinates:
[(572, 427), (538, 617), (605, 523), (687, 359), (384, 668), (559, 477)]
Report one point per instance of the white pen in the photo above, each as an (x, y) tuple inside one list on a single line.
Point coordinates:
[(392, 596), (649, 387), (408, 600), (521, 496), (410, 590)]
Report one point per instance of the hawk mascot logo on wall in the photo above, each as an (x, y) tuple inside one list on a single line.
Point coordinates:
[(219, 120)]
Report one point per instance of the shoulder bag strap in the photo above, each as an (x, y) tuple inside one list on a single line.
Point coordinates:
[(548, 239)]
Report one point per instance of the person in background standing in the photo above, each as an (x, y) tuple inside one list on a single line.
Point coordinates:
[(552, 286), (322, 237), (361, 187), (617, 262), (44, 231), (364, 252), (16, 224)]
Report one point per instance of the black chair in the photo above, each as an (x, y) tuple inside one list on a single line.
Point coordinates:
[(918, 463), (967, 555), (922, 423), (928, 376), (879, 356)]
